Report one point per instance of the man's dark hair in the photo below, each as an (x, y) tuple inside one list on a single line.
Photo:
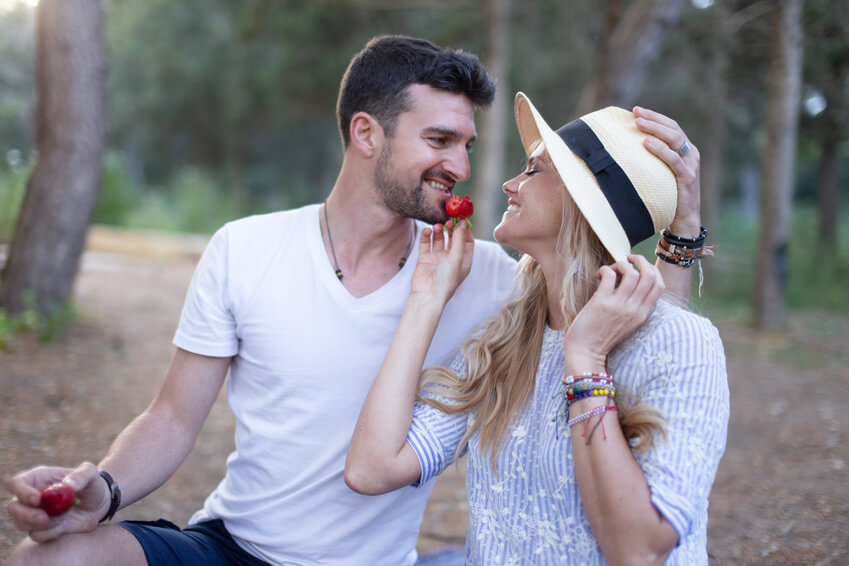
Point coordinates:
[(377, 78)]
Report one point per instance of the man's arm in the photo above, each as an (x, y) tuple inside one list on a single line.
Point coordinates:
[(143, 456)]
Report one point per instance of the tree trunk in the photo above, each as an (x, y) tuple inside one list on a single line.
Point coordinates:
[(598, 88), (715, 99), (827, 188), (494, 130), (779, 166), (832, 126), (633, 45), (71, 129)]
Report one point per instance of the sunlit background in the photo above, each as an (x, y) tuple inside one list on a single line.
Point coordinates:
[(12, 4)]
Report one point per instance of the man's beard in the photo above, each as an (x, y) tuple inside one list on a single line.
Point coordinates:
[(410, 203)]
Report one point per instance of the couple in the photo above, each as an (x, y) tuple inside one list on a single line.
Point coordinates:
[(299, 307)]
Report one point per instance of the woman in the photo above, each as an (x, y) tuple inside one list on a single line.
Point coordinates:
[(536, 396)]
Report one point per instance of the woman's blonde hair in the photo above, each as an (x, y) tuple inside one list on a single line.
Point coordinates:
[(501, 363)]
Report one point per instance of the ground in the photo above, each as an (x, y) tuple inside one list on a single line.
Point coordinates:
[(780, 496)]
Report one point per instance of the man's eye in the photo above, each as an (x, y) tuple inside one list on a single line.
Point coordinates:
[(437, 140)]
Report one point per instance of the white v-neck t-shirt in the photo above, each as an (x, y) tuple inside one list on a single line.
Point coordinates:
[(305, 352)]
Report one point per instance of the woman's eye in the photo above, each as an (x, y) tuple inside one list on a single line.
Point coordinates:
[(531, 172)]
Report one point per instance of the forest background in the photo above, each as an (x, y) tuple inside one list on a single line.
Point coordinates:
[(214, 109)]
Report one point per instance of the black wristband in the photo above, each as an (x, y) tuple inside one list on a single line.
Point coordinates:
[(689, 243), (114, 493)]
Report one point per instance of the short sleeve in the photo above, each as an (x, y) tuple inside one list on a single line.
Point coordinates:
[(688, 383), (207, 325), (434, 435)]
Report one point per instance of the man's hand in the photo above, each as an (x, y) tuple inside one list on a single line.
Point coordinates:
[(90, 488)]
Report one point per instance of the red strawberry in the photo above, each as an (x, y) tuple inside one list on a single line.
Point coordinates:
[(458, 208), (57, 498)]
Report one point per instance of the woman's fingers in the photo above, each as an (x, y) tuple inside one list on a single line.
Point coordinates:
[(661, 127), (669, 139), (424, 241), (650, 285)]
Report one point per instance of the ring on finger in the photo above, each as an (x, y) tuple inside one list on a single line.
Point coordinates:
[(684, 149)]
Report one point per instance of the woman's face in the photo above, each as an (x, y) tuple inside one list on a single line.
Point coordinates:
[(531, 223)]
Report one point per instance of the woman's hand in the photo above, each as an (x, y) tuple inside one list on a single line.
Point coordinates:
[(440, 268), (613, 313), (668, 142), (90, 490)]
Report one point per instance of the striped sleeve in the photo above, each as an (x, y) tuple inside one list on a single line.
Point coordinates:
[(688, 384), (434, 436)]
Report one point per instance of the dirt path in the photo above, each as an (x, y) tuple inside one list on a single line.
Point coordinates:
[(781, 496)]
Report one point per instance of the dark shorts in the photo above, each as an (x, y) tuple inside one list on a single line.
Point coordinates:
[(203, 544), (209, 544)]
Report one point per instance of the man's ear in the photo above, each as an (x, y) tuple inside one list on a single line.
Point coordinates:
[(366, 134)]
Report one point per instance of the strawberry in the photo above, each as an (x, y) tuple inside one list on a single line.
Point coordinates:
[(459, 208), (57, 498)]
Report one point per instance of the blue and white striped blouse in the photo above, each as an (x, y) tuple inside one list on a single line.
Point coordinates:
[(531, 511)]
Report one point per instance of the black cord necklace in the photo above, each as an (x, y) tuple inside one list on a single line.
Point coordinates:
[(333, 250)]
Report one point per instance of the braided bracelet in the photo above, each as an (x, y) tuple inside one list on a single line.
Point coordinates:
[(683, 254), (590, 414)]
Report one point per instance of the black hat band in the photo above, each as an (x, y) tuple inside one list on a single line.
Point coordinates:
[(626, 203)]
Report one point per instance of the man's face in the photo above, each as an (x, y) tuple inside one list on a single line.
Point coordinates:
[(429, 153)]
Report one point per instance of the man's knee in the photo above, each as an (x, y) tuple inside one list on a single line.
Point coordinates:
[(30, 553), (108, 544)]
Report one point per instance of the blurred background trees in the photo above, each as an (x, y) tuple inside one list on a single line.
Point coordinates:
[(218, 108), (61, 194)]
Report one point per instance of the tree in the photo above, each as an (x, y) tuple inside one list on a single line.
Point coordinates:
[(782, 116), (493, 138), (71, 130), (626, 45), (827, 71), (714, 100)]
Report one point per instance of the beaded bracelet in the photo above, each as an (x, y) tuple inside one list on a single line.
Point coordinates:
[(569, 379), (600, 392), (581, 386)]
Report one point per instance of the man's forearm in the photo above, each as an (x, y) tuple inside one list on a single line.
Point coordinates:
[(146, 453)]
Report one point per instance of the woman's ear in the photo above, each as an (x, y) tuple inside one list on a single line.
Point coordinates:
[(366, 134)]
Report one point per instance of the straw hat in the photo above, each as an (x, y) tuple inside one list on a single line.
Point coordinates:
[(625, 192)]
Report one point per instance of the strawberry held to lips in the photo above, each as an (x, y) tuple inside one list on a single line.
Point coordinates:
[(57, 498), (459, 208)]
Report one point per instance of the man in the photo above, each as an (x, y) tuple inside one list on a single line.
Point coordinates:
[(299, 307)]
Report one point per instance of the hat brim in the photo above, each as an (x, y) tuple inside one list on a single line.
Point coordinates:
[(577, 177)]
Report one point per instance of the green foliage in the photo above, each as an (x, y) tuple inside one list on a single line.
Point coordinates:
[(116, 193), (14, 173), (816, 278), (45, 327), (192, 204)]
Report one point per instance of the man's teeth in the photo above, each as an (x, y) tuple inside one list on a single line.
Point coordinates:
[(438, 186)]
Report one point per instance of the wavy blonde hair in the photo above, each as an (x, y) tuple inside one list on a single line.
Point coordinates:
[(501, 364)]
